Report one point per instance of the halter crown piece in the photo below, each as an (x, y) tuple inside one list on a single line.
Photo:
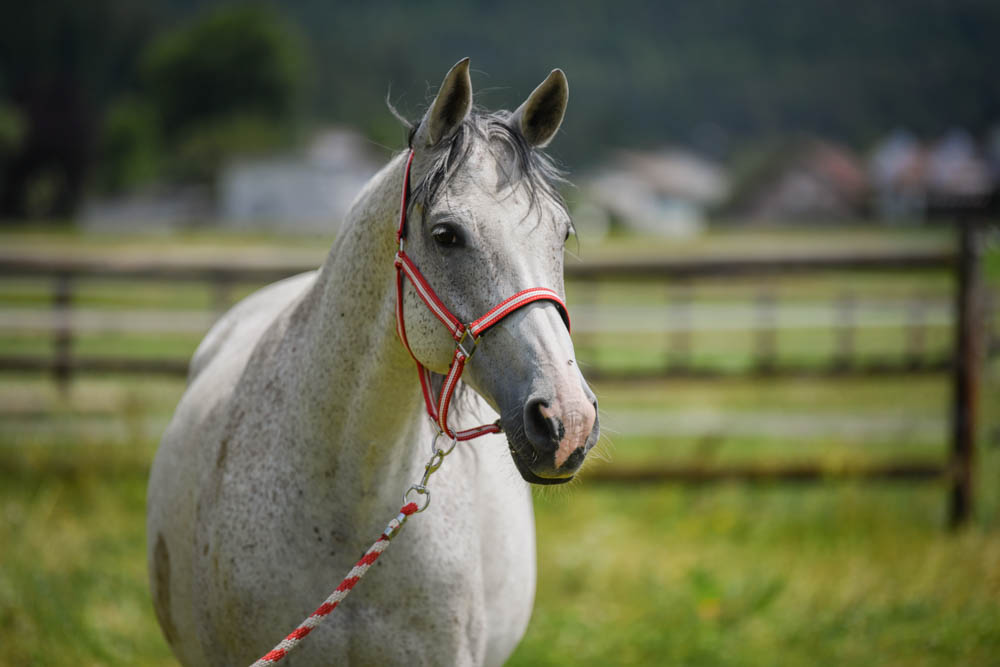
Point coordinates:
[(466, 336)]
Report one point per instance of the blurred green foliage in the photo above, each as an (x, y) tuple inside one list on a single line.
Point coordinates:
[(12, 128), (130, 145), (233, 61), (228, 83), (712, 74), (61, 62), (205, 147), (717, 76), (114, 96)]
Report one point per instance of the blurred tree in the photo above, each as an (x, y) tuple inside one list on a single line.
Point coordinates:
[(60, 62), (129, 154), (230, 82), (11, 131), (644, 72), (227, 78)]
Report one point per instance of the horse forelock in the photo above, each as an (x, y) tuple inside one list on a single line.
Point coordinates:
[(517, 161)]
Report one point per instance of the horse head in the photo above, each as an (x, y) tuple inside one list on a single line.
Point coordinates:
[(485, 221)]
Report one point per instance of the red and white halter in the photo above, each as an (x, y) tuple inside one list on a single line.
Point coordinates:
[(466, 336)]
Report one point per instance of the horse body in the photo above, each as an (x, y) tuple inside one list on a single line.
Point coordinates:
[(300, 429)]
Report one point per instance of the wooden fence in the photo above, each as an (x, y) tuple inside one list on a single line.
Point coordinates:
[(65, 275), (970, 346), (681, 275)]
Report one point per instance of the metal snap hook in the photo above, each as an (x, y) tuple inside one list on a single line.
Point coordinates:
[(421, 491), (432, 466)]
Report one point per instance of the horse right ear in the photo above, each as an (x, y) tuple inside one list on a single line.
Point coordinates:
[(449, 110), (539, 118)]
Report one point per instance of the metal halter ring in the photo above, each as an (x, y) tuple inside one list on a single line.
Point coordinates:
[(422, 491), (444, 452)]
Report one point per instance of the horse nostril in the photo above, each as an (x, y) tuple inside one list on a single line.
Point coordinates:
[(542, 430)]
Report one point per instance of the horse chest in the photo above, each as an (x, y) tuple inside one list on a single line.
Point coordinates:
[(426, 594)]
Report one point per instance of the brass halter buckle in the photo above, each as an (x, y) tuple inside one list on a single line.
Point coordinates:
[(463, 342)]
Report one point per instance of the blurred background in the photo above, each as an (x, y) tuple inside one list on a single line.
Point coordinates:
[(784, 286)]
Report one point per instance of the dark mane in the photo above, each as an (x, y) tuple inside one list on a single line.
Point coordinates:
[(518, 160)]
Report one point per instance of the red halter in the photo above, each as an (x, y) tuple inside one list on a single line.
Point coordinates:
[(466, 335)]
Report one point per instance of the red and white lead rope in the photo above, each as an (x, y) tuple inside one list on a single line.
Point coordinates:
[(466, 337), (288, 644)]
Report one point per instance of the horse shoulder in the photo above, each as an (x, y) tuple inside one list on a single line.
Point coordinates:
[(192, 448), (238, 330)]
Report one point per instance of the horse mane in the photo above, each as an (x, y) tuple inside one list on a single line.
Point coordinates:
[(518, 160)]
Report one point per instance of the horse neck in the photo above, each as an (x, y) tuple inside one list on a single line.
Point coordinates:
[(360, 382)]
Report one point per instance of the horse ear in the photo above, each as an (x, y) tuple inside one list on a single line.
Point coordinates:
[(539, 118), (449, 109)]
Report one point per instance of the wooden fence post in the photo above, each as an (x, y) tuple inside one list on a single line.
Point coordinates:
[(62, 335), (767, 331), (965, 377), (916, 335), (679, 337), (845, 324)]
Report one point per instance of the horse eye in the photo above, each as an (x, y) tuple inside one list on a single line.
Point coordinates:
[(445, 236)]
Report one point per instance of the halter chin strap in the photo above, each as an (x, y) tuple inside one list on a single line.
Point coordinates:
[(466, 336)]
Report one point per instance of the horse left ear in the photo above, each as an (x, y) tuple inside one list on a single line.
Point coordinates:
[(539, 118)]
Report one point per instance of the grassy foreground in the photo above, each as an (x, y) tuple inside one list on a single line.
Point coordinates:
[(725, 576), (838, 573), (832, 575)]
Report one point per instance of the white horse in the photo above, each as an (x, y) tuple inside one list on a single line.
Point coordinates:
[(303, 422)]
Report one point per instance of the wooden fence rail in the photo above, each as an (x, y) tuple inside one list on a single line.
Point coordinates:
[(65, 272), (965, 362)]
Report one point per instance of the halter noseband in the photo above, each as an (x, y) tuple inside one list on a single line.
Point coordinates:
[(466, 336)]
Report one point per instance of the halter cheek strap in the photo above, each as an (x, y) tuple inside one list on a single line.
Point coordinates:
[(466, 336)]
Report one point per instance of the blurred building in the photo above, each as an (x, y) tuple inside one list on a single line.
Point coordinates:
[(912, 181), (897, 167), (808, 181), (958, 176), (161, 208), (310, 195), (666, 192)]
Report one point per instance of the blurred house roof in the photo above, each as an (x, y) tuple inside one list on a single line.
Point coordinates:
[(662, 192), (806, 180), (676, 173)]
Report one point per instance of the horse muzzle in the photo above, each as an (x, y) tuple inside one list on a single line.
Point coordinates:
[(556, 432)]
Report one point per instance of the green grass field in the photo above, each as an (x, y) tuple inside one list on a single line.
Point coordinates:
[(843, 572)]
